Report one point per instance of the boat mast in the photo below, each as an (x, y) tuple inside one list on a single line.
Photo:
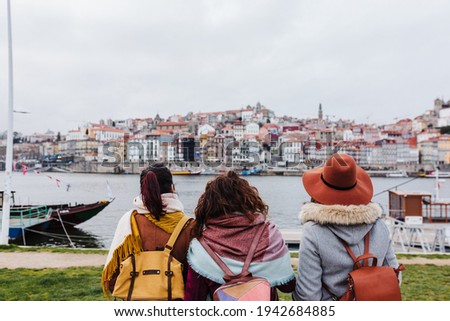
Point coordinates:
[(9, 141), (437, 183)]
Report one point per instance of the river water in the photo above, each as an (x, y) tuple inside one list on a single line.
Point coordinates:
[(283, 194)]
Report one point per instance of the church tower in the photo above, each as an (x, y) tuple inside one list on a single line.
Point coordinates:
[(320, 113)]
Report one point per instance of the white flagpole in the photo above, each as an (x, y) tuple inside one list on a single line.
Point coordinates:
[(9, 142)]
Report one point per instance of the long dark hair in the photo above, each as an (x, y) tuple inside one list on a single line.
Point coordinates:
[(155, 180), (226, 194)]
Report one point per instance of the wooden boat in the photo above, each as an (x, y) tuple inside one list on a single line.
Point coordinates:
[(397, 174), (185, 172), (51, 216), (254, 171), (438, 174)]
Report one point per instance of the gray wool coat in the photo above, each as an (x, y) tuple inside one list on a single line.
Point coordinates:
[(322, 257)]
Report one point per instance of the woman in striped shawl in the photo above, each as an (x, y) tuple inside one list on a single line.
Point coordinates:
[(228, 214)]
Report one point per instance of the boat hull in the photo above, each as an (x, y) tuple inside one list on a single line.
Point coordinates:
[(55, 217), (77, 214), (439, 174), (185, 173)]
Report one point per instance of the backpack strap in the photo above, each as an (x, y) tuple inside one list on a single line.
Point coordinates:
[(228, 273), (176, 232), (133, 275), (168, 249), (215, 257), (364, 257), (252, 250)]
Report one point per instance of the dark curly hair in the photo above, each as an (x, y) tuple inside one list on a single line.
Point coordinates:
[(226, 194), (155, 180)]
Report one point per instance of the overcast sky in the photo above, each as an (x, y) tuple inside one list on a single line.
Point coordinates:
[(84, 60)]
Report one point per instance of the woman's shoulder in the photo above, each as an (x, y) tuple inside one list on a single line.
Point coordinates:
[(381, 227), (314, 231), (126, 216), (312, 225), (189, 227)]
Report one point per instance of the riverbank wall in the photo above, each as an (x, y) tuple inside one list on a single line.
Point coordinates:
[(136, 168), (411, 170)]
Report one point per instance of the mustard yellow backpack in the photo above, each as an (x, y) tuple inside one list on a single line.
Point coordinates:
[(152, 275)]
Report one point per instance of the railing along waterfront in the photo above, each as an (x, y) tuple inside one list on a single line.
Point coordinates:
[(426, 238), (436, 212)]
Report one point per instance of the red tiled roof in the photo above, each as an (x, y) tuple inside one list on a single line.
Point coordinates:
[(116, 130), (171, 123)]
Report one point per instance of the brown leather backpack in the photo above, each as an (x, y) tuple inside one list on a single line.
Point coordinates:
[(370, 282)]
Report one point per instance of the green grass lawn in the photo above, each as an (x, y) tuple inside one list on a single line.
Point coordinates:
[(70, 284), (420, 283)]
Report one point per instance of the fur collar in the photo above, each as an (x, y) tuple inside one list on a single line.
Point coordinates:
[(340, 214)]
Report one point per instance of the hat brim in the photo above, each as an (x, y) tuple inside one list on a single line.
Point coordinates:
[(360, 194)]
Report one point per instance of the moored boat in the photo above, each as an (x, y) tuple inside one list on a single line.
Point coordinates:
[(397, 174), (185, 172), (51, 216), (439, 174)]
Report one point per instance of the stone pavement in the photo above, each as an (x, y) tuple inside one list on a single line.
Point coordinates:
[(40, 260)]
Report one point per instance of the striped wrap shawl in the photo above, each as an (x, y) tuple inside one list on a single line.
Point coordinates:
[(230, 237)]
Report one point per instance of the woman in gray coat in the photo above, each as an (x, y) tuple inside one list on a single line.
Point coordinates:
[(340, 207)]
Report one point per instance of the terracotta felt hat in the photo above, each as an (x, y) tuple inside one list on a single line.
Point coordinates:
[(340, 181)]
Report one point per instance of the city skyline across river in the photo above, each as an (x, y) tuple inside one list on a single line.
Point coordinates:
[(284, 196)]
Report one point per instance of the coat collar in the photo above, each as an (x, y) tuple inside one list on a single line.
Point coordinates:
[(340, 214), (171, 204)]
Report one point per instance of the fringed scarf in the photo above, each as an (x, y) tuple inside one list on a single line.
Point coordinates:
[(230, 237), (126, 239)]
